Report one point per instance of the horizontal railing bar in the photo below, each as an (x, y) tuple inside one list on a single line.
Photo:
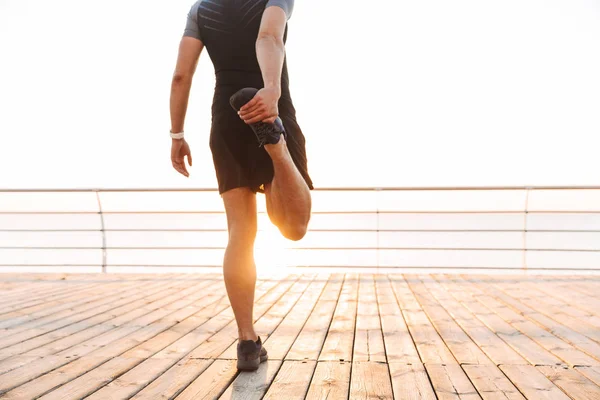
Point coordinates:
[(367, 212), (309, 248), (51, 230), (49, 213), (310, 230), (373, 267), (263, 230), (51, 265), (321, 189)]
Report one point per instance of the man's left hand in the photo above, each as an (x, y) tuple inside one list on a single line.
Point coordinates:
[(263, 107)]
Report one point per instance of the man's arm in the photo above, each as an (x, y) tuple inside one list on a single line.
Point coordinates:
[(190, 48), (270, 52), (189, 53), (270, 49)]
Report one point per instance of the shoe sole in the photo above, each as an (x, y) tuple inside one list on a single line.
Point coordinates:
[(251, 365)]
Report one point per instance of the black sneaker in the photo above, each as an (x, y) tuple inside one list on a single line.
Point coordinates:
[(265, 133), (250, 354)]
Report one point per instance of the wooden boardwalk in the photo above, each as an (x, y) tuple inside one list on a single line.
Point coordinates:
[(329, 336)]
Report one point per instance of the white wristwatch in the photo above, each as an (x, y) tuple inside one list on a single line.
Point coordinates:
[(177, 135)]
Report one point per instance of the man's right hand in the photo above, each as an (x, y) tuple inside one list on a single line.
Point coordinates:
[(179, 150), (263, 107)]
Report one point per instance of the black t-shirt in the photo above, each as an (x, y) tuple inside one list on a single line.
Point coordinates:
[(214, 15)]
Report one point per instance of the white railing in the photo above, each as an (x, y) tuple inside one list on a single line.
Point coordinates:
[(512, 229)]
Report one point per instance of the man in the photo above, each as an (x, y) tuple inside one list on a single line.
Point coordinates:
[(256, 143)]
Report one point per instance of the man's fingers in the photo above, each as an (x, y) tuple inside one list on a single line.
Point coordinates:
[(180, 167), (250, 110), (250, 104), (183, 168), (189, 157), (270, 120), (252, 115), (256, 119)]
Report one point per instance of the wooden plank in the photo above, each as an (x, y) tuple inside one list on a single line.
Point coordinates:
[(410, 382), (399, 346), (491, 383), (368, 343), (120, 339), (63, 338), (34, 290), (370, 380), (430, 345), (216, 322), (581, 307), (566, 334), (94, 367), (78, 300), (556, 290), (545, 338), (592, 373), (572, 382), (525, 346), (252, 385), (310, 341), (458, 342), (212, 382), (86, 384), (152, 368), (450, 382), (339, 341), (174, 380), (221, 340), (495, 348), (71, 317), (55, 340), (34, 293), (588, 289), (48, 304), (532, 383), (292, 381), (213, 304), (279, 342), (551, 343), (70, 335), (30, 391), (138, 354), (268, 322), (331, 380), (71, 370), (132, 381), (558, 311)]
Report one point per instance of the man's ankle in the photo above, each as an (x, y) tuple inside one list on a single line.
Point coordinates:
[(277, 150), (248, 336)]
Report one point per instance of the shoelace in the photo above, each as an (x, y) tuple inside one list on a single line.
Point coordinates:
[(265, 131)]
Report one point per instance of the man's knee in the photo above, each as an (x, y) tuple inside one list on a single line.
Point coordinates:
[(242, 232), (295, 232)]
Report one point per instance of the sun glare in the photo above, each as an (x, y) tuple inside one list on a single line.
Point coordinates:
[(270, 250)]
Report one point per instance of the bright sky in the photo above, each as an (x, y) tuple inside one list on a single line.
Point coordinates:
[(401, 93)]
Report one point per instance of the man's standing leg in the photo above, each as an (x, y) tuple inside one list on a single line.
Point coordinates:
[(239, 269)]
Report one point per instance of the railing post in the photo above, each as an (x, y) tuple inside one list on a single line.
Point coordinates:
[(526, 218), (102, 230), (377, 215)]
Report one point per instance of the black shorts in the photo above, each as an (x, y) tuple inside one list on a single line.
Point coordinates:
[(238, 159)]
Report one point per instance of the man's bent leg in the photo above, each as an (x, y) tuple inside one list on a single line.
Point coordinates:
[(288, 196), (239, 269)]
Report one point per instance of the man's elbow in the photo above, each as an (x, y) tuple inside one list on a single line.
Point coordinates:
[(181, 78), (268, 37)]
